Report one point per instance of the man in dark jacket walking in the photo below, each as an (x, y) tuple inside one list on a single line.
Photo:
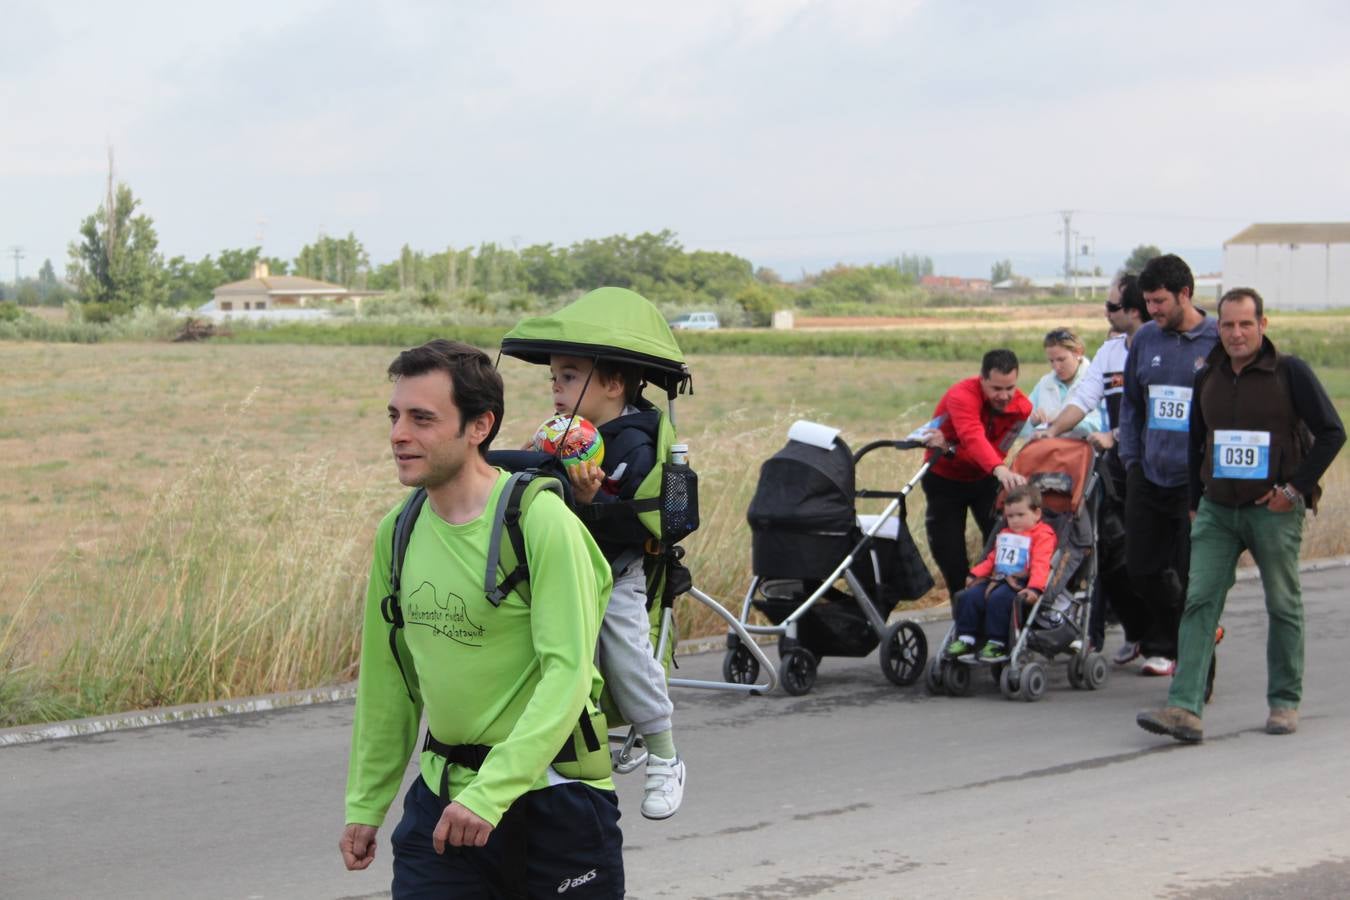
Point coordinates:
[(1165, 356), (1262, 433)]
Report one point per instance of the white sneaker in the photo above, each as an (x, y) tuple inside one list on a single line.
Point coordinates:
[(664, 788), (1159, 665)]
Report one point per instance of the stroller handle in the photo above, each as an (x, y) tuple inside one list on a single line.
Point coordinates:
[(895, 445)]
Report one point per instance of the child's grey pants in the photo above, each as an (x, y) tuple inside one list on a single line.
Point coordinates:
[(636, 681)]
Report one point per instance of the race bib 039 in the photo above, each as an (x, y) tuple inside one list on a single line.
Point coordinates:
[(1012, 553), (1169, 408), (1242, 454)]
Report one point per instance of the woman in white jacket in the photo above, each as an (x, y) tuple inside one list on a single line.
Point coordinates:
[(1064, 351)]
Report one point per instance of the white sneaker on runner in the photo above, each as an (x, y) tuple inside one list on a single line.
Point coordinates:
[(1158, 665), (664, 789)]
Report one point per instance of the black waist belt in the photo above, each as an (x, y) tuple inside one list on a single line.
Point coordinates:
[(472, 756), (511, 830)]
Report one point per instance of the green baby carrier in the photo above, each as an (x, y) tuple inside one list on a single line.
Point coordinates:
[(621, 326)]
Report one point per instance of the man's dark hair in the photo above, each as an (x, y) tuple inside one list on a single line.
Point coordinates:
[(1132, 295), (628, 373), (1244, 293), (1000, 360), (1169, 273), (475, 386)]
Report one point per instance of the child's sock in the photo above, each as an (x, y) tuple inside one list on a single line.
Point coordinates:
[(967, 639), (661, 744)]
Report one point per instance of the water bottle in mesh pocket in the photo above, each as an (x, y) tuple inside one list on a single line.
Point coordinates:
[(679, 502)]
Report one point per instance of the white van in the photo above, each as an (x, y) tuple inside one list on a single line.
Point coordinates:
[(695, 321)]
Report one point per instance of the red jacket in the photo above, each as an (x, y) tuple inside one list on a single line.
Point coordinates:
[(982, 436), (1043, 543)]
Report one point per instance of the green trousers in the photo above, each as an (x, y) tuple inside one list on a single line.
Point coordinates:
[(1219, 534)]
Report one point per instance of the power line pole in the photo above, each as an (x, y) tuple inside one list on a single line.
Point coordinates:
[(17, 252), (1067, 214)]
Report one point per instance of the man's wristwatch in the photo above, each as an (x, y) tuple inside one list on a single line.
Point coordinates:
[(1290, 492)]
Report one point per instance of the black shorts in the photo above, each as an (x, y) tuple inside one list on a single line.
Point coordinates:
[(572, 848)]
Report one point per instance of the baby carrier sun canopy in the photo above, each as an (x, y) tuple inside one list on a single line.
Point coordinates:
[(611, 323)]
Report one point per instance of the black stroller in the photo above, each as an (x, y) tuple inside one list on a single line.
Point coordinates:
[(806, 536)]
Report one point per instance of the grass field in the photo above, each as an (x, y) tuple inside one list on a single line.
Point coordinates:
[(187, 522)]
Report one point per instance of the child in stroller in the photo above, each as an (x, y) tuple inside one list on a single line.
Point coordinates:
[(1057, 620), (1015, 570)]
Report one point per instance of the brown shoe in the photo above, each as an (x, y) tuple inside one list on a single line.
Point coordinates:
[(1282, 720), (1181, 724)]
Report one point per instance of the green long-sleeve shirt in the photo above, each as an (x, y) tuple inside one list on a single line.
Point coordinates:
[(514, 677)]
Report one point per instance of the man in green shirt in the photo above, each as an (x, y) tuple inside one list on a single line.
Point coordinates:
[(503, 685)]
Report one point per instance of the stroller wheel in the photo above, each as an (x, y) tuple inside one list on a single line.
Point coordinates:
[(1009, 682), (1094, 671), (932, 676), (1033, 682), (739, 666), (904, 650), (1076, 670), (798, 674), (996, 672), (956, 677)]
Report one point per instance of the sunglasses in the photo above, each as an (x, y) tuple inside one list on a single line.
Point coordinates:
[(1060, 334), (1114, 307)]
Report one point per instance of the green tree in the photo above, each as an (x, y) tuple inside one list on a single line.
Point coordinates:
[(1140, 256), (1001, 271), (341, 261), (913, 265), (116, 264), (239, 265), (548, 272), (51, 290), (759, 302)]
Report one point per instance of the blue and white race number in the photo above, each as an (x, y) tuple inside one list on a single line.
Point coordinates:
[(1169, 407), (1242, 454), (1012, 553)]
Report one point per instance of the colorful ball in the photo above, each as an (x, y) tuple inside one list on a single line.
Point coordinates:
[(579, 440)]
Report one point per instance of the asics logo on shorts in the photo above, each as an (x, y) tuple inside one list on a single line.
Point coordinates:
[(568, 883)]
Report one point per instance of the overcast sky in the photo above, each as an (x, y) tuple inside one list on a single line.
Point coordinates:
[(792, 132)]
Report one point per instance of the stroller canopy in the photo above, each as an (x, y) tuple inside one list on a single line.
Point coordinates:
[(805, 489), (610, 323)]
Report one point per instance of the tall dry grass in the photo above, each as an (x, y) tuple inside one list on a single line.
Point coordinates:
[(239, 580)]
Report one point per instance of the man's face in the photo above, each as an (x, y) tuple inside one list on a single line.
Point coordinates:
[(430, 441), (1240, 329), (999, 388), (1116, 316), (1168, 309)]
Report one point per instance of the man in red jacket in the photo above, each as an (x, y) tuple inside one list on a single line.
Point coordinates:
[(979, 418)]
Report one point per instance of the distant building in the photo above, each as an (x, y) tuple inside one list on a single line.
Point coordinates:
[(954, 284), (278, 292), (1294, 265)]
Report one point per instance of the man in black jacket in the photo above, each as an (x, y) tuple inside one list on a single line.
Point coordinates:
[(1262, 433)]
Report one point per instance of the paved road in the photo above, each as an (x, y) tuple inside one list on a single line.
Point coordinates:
[(858, 789)]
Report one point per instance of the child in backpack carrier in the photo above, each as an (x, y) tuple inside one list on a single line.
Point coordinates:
[(609, 395), (1016, 570)]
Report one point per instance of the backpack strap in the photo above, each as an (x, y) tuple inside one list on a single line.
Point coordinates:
[(517, 496), (390, 607)]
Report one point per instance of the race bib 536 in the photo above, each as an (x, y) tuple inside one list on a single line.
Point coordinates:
[(1169, 408)]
